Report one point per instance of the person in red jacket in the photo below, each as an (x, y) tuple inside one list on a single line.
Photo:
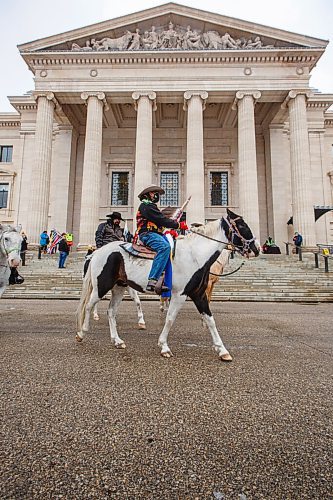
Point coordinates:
[(150, 224)]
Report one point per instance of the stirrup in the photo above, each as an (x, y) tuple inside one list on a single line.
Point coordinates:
[(151, 285)]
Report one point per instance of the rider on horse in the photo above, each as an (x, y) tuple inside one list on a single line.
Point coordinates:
[(150, 224)]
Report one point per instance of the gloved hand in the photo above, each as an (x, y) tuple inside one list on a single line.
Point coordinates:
[(183, 226)]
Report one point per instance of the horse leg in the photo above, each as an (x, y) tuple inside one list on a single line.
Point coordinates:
[(134, 296), (176, 303), (116, 298), (203, 307), (95, 313), (92, 302), (164, 304)]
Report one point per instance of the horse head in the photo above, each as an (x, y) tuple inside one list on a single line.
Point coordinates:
[(240, 235), (10, 244)]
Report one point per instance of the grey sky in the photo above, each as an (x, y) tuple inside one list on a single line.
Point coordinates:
[(24, 21)]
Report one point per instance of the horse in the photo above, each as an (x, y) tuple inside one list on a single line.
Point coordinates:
[(114, 269), (132, 293), (135, 297), (120, 43), (10, 247)]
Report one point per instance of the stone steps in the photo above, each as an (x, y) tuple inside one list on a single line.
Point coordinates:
[(267, 278)]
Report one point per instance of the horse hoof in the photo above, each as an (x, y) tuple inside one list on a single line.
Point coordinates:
[(142, 326), (226, 357), (121, 346), (166, 355), (78, 338)]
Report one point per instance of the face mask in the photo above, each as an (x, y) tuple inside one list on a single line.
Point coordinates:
[(156, 198)]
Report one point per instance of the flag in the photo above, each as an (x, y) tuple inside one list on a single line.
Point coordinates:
[(55, 237), (126, 231)]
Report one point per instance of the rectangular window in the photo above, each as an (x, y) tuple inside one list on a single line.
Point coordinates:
[(218, 183), (6, 154), (119, 188), (170, 184), (4, 189)]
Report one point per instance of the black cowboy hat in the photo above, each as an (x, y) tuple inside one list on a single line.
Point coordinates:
[(151, 189), (114, 215)]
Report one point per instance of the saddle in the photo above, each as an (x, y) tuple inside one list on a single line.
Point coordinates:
[(139, 250)]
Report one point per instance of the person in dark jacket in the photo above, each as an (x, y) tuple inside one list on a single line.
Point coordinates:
[(63, 251), (24, 247), (110, 230), (298, 240), (150, 224)]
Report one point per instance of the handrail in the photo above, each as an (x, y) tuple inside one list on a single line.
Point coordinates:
[(316, 254)]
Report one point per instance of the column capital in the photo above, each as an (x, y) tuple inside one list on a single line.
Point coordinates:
[(203, 94), (100, 96), (240, 94), (49, 96), (293, 94), (144, 93)]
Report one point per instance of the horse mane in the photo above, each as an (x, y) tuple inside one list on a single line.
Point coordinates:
[(209, 229)]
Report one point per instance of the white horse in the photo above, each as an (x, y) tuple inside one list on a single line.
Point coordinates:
[(10, 247), (114, 269)]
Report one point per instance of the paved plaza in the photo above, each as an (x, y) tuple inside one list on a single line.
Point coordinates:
[(88, 421)]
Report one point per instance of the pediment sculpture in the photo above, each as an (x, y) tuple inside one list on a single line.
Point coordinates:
[(179, 38)]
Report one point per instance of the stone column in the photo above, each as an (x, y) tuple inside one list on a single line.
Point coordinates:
[(247, 159), (145, 104), (195, 172), (91, 177), (303, 212), (38, 206)]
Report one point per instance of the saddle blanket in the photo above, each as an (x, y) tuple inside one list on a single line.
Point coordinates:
[(137, 253)]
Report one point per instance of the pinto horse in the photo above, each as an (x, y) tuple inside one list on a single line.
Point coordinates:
[(10, 247), (114, 269)]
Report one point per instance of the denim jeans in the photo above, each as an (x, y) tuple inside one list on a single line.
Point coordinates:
[(62, 259), (162, 247)]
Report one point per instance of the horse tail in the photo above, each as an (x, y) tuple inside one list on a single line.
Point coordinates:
[(87, 288)]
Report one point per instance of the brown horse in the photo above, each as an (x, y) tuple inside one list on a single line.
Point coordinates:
[(216, 270)]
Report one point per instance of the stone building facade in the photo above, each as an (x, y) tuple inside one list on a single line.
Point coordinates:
[(202, 104)]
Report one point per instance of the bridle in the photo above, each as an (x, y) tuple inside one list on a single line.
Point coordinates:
[(244, 248), (7, 250), (232, 233)]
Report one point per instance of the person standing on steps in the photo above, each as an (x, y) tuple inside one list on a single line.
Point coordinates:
[(63, 251), (298, 240), (44, 240), (24, 247)]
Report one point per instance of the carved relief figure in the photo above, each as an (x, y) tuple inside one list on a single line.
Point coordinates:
[(150, 40), (191, 39), (227, 42), (169, 38), (172, 39), (87, 46), (212, 40), (136, 40)]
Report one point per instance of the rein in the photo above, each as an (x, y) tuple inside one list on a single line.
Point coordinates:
[(228, 274), (228, 246), (233, 229)]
